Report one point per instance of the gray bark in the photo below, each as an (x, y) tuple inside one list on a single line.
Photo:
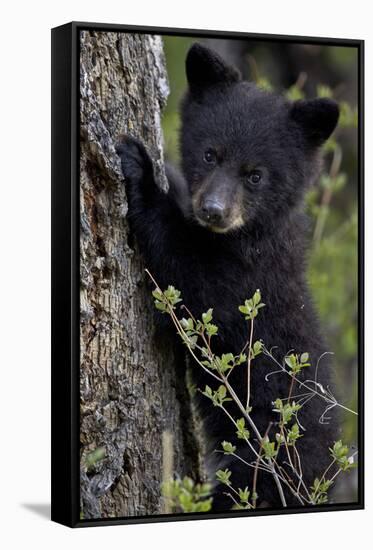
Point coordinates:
[(132, 391)]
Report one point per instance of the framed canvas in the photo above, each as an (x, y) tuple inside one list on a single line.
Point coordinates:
[(207, 274)]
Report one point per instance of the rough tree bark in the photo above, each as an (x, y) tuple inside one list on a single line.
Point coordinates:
[(131, 391)]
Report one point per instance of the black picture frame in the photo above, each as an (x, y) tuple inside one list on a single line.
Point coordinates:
[(65, 269)]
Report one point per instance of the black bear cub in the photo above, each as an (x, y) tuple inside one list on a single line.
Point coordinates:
[(233, 222)]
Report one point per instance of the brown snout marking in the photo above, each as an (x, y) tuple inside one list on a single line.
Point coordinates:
[(236, 209)]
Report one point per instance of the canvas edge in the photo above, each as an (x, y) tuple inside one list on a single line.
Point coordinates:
[(65, 270)]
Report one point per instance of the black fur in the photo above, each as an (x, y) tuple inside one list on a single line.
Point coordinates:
[(248, 129)]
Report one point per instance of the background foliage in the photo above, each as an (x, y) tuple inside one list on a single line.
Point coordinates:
[(301, 70)]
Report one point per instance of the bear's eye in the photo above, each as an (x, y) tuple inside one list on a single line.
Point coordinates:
[(209, 156), (254, 177)]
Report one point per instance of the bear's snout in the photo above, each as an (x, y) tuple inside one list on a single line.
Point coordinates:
[(212, 211)]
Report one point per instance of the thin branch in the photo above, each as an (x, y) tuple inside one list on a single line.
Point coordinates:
[(330, 399), (255, 478), (247, 440), (249, 357)]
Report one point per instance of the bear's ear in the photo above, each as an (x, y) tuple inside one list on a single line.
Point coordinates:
[(317, 118), (204, 68)]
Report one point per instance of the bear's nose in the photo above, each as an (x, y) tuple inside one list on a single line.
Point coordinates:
[(212, 211)]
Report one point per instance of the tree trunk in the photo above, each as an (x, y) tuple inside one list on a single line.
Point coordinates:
[(132, 391)]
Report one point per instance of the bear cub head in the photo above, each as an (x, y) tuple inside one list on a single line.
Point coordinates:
[(247, 155)]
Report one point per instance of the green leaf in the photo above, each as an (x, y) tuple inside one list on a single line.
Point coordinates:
[(223, 476), (208, 391), (322, 90), (319, 490), (225, 362), (211, 329), (187, 324), (263, 83), (280, 438), (244, 495), (94, 457), (269, 448), (218, 397), (257, 297), (228, 448), (173, 295), (293, 435), (339, 453), (257, 348), (187, 496), (160, 306), (242, 432), (207, 317), (286, 410), (190, 341), (203, 506), (242, 358), (348, 116), (157, 294), (294, 93), (296, 362), (290, 361)]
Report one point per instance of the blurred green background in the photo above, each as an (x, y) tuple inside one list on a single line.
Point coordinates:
[(303, 70)]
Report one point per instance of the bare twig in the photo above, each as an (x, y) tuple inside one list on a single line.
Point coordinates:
[(326, 396), (249, 357), (255, 478)]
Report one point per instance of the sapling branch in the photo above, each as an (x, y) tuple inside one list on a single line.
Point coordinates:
[(197, 336)]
